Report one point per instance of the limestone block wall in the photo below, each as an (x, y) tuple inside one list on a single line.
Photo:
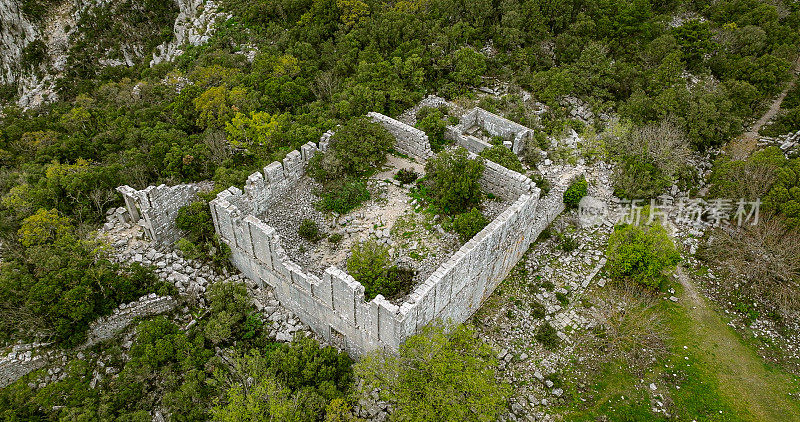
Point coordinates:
[(491, 123), (408, 139), (471, 143), (22, 360), (107, 327), (156, 208), (504, 183), (333, 306)]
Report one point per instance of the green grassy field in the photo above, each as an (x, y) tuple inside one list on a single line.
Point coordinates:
[(709, 374)]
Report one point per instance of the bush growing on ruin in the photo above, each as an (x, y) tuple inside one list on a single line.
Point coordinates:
[(538, 310), (370, 264), (468, 224), (432, 121), (200, 240), (358, 148), (452, 181), (644, 254), (434, 374), (547, 336), (309, 230), (503, 156), (575, 192), (344, 198)]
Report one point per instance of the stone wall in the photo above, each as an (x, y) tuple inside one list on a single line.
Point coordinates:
[(108, 326), (22, 360), (156, 207), (334, 305), (515, 134), (26, 358), (408, 140)]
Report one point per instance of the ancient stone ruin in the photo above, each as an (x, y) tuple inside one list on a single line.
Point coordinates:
[(477, 123), (155, 209), (333, 304)]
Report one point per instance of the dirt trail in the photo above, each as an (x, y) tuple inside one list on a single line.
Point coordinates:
[(752, 388), (742, 146)]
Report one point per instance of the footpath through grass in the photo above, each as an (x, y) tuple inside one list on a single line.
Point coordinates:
[(709, 374), (755, 390)]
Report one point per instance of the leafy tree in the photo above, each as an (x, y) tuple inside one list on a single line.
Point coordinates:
[(43, 227), (357, 148), (230, 305), (468, 67), (436, 375), (452, 180), (645, 255)]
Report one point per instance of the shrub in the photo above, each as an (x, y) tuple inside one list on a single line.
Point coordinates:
[(531, 152), (645, 255), (468, 224), (200, 240), (356, 149), (562, 298), (369, 263), (346, 198), (547, 336), (229, 305), (538, 310), (575, 192), (503, 156), (432, 121), (335, 238), (406, 176), (308, 230), (635, 178), (434, 374), (452, 181)]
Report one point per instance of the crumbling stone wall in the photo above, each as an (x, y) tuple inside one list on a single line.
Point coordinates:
[(334, 305), (156, 207), (108, 326), (22, 360), (408, 139), (515, 134)]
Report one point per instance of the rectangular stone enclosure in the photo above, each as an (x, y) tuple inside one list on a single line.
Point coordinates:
[(334, 305)]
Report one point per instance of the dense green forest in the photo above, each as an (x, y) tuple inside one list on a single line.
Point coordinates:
[(278, 74)]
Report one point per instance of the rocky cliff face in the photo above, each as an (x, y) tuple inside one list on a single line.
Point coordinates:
[(16, 33), (67, 34)]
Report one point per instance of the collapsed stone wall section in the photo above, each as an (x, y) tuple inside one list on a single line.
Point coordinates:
[(156, 207), (22, 360), (107, 327), (408, 139)]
